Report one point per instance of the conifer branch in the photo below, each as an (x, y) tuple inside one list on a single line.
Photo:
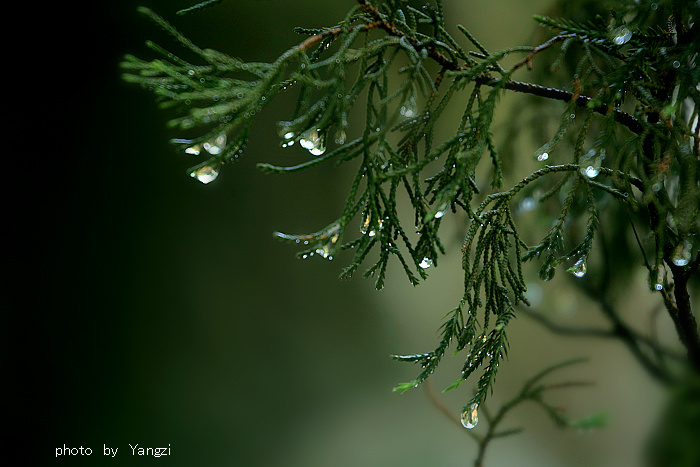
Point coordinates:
[(650, 169)]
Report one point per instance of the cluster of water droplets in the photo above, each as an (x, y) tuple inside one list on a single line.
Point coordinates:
[(324, 248), (470, 416), (657, 277), (214, 146), (340, 137), (425, 263), (288, 139), (367, 228), (313, 141), (683, 253)]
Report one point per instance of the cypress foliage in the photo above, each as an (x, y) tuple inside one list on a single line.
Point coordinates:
[(628, 136)]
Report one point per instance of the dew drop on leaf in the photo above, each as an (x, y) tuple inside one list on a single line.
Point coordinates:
[(426, 263)]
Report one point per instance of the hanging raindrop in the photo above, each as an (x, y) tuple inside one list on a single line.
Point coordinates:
[(578, 269), (442, 209), (547, 272), (621, 35), (205, 174), (409, 108), (542, 154), (592, 161), (426, 263), (470, 416), (195, 149), (189, 147)]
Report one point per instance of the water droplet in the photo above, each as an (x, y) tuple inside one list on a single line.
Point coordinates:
[(195, 149), (340, 137), (313, 142), (547, 272), (657, 276), (621, 35), (592, 161), (409, 108), (426, 263), (188, 145), (470, 416), (527, 204), (676, 64), (366, 226), (325, 251), (542, 154), (682, 253), (591, 172), (205, 174), (578, 269), (287, 139), (442, 209), (216, 145)]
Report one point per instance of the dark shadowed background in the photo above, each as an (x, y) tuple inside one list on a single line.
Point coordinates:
[(160, 311)]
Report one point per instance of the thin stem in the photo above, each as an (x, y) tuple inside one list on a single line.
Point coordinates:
[(565, 96), (681, 312), (485, 79)]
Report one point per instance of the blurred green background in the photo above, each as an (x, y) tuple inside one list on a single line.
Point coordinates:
[(167, 314)]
